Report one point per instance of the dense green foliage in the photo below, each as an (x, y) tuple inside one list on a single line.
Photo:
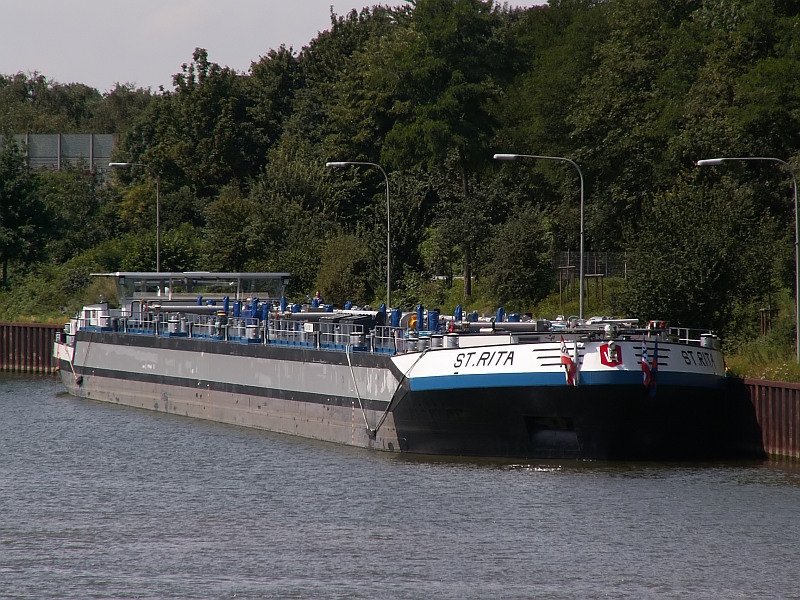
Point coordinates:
[(634, 91)]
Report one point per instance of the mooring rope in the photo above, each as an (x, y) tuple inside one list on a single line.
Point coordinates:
[(71, 365), (358, 395), (372, 432), (399, 385), (78, 379)]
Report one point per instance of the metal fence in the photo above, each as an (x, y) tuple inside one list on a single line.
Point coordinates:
[(57, 150), (608, 264)]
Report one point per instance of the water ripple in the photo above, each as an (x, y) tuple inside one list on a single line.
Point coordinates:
[(101, 501)]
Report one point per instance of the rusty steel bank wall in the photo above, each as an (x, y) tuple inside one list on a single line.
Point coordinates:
[(767, 412), (27, 348), (776, 410)]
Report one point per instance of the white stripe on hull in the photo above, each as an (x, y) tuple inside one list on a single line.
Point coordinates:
[(294, 376)]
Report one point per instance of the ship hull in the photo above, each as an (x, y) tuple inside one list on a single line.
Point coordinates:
[(298, 391), (365, 400), (587, 422)]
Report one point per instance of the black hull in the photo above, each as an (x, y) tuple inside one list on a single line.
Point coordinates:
[(588, 422)]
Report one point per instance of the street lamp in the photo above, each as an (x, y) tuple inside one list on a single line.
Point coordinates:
[(345, 163), (580, 174), (125, 165), (710, 162)]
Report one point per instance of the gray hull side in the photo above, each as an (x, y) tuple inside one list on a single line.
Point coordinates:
[(187, 362), (311, 399)]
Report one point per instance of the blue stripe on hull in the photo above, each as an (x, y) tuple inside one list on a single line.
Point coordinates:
[(496, 380)]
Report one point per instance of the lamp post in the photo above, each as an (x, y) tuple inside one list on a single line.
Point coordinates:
[(125, 165), (710, 162), (345, 163), (580, 174)]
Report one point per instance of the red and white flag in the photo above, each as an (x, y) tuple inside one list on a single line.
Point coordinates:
[(647, 374), (654, 370), (570, 367)]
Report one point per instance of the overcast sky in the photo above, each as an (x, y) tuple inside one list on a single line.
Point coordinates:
[(144, 42)]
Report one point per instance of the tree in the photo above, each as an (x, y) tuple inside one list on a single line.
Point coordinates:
[(444, 70), (119, 108), (32, 103), (225, 237), (342, 272), (519, 268), (274, 80), (203, 134), (557, 44), (700, 253), (72, 202), (20, 211), (616, 118), (328, 76), (281, 233)]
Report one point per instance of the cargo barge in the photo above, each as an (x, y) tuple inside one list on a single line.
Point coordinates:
[(228, 347)]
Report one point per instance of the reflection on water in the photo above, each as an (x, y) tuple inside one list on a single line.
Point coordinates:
[(111, 502)]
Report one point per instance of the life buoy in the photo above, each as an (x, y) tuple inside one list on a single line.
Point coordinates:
[(412, 322)]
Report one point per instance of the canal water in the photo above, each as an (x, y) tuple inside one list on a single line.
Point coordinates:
[(102, 501)]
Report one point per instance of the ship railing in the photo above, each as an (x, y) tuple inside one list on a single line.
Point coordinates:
[(244, 330), (188, 325), (338, 336), (315, 334), (143, 325), (206, 329), (95, 319), (92, 323), (694, 336), (390, 340), (286, 332), (335, 335)]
